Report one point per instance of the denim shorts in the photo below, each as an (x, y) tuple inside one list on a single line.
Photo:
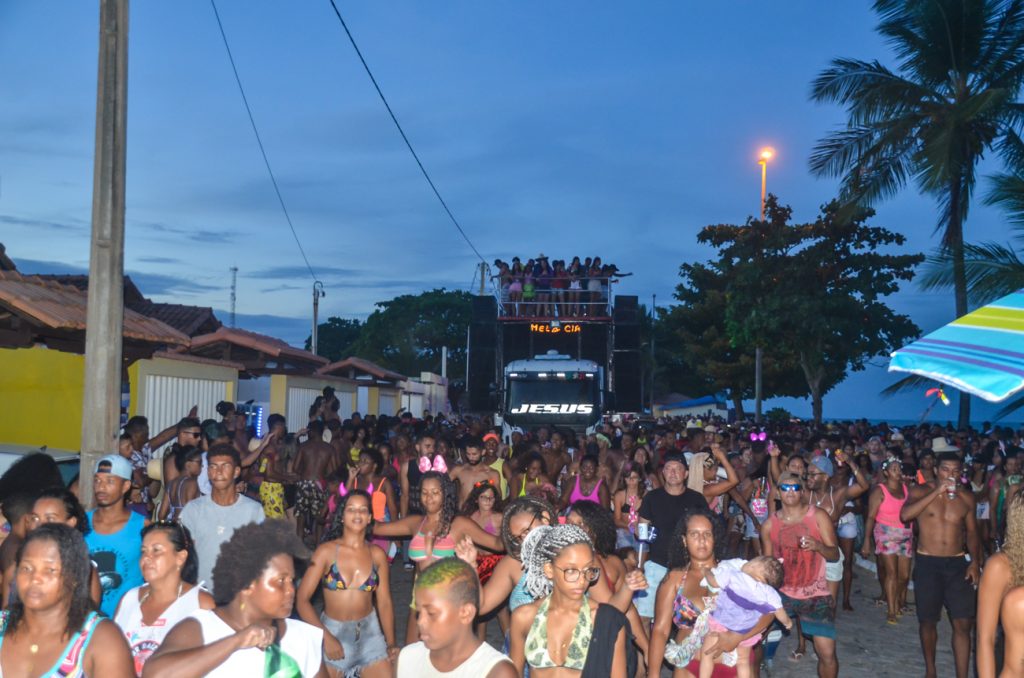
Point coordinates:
[(362, 640), (644, 600)]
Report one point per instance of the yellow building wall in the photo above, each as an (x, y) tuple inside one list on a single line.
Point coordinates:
[(372, 400), (278, 393), (41, 392)]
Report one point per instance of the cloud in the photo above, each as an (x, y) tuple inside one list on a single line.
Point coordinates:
[(206, 236), (292, 330), (39, 267), (156, 284), (25, 222), (159, 260), (290, 272), (281, 288)]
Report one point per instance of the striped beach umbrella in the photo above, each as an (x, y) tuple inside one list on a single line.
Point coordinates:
[(981, 353)]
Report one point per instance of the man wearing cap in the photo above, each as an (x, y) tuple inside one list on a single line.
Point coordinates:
[(115, 533), (824, 495), (662, 508), (944, 574)]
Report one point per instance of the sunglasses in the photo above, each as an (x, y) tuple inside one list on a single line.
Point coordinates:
[(758, 436), (790, 487)]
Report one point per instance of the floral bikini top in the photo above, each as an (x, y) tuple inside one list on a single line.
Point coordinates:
[(333, 581), (536, 649), (684, 612)]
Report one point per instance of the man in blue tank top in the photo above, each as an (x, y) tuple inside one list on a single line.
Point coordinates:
[(115, 532)]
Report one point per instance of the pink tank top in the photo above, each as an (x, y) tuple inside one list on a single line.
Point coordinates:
[(804, 570), (577, 493), (889, 510)]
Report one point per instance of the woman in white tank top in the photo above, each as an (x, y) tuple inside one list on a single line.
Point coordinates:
[(147, 613)]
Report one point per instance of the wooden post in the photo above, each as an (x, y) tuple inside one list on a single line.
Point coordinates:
[(101, 407)]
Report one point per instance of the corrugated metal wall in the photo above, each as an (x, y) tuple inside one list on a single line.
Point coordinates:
[(168, 399), (347, 404), (299, 402), (388, 405)]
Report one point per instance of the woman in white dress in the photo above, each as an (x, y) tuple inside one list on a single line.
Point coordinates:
[(148, 612), (249, 632)]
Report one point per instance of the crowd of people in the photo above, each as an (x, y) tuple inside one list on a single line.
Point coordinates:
[(648, 544), (539, 289)]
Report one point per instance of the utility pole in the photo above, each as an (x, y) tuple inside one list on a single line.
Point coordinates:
[(104, 331), (234, 289), (654, 366), (318, 291), (483, 274)]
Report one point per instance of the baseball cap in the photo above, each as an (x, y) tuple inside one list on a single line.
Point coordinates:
[(824, 465), (491, 436), (116, 465)]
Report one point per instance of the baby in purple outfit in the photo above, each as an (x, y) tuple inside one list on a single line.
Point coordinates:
[(746, 591)]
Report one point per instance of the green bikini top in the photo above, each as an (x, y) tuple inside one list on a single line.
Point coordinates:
[(536, 650)]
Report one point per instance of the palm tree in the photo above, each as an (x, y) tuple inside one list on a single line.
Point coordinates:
[(951, 99)]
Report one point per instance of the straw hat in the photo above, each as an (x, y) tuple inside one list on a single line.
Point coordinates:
[(940, 445)]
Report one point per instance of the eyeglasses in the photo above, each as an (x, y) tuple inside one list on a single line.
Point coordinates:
[(790, 487), (572, 574), (518, 538)]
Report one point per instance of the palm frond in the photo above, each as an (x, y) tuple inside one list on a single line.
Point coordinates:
[(1010, 408), (907, 384), (992, 271), (1008, 193)]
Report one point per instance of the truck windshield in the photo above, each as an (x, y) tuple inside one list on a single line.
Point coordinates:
[(552, 391)]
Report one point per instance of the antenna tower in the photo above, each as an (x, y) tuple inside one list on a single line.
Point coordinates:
[(234, 287)]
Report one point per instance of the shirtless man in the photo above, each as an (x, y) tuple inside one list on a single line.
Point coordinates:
[(310, 464), (946, 520), (424, 448), (831, 499), (556, 457), (473, 472)]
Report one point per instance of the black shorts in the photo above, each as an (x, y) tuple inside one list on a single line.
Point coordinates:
[(941, 581)]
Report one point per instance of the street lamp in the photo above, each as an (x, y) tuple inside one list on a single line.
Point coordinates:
[(766, 155)]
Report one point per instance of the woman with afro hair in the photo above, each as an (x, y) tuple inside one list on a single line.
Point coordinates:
[(249, 633), (435, 527)]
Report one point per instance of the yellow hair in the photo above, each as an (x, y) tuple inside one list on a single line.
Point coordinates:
[(1014, 547)]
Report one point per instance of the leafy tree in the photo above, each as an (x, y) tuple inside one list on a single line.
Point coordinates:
[(810, 294), (406, 334), (706, 351), (950, 100), (336, 337)]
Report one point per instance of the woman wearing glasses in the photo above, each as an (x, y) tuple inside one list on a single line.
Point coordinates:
[(483, 507), (565, 633)]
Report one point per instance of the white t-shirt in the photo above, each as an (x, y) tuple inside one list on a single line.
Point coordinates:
[(414, 662), (301, 641), (144, 639)]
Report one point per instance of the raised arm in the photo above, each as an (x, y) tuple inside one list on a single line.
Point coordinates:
[(731, 479), (918, 499), (404, 527), (863, 482), (465, 526)]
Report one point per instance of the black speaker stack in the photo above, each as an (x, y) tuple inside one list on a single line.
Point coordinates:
[(626, 364)]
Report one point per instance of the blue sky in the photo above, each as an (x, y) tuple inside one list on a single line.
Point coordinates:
[(569, 128)]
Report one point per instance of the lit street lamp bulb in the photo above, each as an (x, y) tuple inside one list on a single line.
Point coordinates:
[(767, 154)]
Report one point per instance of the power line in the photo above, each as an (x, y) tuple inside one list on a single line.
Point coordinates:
[(259, 141), (408, 144)]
